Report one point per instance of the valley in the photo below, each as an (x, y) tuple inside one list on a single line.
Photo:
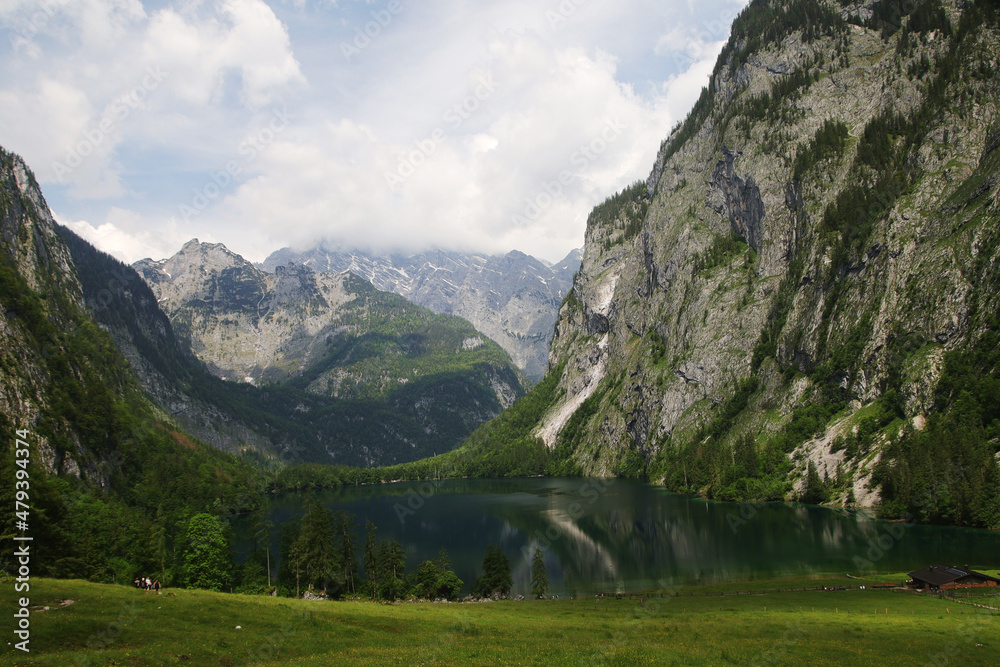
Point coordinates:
[(773, 365)]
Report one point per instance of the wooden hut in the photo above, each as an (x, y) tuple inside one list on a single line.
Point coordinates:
[(948, 577)]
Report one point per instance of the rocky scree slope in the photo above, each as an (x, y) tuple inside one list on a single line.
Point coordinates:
[(801, 301), (513, 298)]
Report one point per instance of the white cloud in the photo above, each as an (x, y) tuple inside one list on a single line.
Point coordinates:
[(128, 237), (682, 90), (497, 127), (243, 35), (61, 109), (73, 95), (522, 161)]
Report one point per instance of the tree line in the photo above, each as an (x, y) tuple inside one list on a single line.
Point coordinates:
[(318, 555)]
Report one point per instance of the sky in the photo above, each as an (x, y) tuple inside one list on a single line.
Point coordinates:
[(382, 125)]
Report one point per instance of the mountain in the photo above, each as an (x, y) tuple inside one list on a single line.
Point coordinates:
[(226, 415), (352, 375), (108, 474), (513, 298), (801, 301)]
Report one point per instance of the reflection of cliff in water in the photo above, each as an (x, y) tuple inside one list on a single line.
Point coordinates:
[(635, 536), (611, 535)]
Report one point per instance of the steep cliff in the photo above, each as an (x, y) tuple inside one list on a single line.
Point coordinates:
[(513, 298), (42, 301), (205, 406), (357, 376), (105, 470), (782, 309)]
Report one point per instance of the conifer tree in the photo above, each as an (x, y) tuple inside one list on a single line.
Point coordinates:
[(496, 580), (348, 559), (448, 584), (262, 526), (815, 490), (371, 559), (391, 568), (318, 558), (539, 579)]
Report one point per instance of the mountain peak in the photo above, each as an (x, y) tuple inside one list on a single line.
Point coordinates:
[(194, 246), (511, 298)]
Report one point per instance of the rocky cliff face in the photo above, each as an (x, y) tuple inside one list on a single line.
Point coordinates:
[(811, 244), (513, 298), (34, 262), (247, 325), (62, 378), (28, 231), (352, 375), (260, 327), (124, 306), (109, 470)]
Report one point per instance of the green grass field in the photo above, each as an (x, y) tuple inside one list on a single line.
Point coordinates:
[(118, 625)]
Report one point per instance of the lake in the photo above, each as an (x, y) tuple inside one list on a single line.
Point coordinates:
[(622, 535)]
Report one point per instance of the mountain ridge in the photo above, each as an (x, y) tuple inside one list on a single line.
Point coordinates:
[(400, 381), (512, 298), (110, 473), (795, 304)]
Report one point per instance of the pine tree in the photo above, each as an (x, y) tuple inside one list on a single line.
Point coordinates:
[(391, 567), (371, 559), (288, 572), (496, 580), (262, 526), (815, 490), (539, 579), (348, 559), (158, 539), (319, 561), (427, 576), (448, 583), (252, 578)]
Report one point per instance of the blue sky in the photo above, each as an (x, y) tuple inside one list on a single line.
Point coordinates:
[(387, 125)]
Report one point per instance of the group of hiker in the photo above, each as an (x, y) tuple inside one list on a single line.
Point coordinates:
[(145, 584)]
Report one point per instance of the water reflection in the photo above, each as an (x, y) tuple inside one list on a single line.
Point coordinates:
[(619, 535)]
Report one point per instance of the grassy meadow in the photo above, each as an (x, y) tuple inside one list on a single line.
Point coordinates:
[(118, 625)]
